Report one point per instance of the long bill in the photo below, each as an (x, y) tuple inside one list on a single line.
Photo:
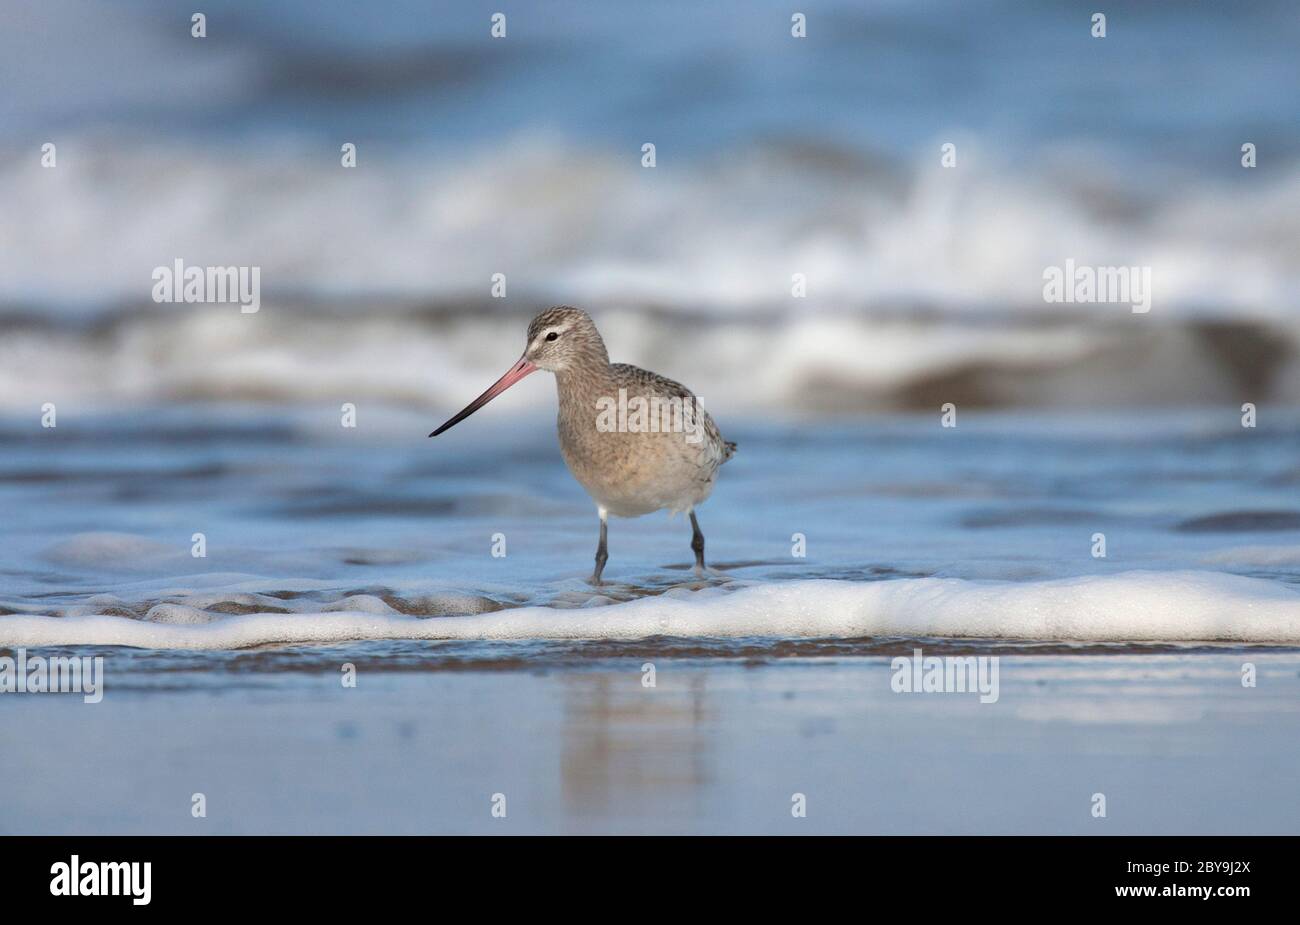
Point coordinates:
[(513, 375)]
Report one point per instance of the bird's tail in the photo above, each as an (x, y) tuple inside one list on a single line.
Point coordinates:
[(729, 450)]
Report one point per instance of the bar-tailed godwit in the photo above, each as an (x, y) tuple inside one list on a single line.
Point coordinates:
[(637, 442)]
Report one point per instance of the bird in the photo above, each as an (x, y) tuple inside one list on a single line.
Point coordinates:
[(636, 441)]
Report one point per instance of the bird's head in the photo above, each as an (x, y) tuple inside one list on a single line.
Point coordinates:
[(562, 338), (559, 339)]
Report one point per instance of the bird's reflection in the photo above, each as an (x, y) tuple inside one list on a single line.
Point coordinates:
[(633, 752)]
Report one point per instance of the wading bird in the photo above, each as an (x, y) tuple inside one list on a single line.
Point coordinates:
[(637, 442)]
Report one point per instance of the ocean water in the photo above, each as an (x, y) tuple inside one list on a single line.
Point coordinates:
[(885, 526), (332, 551)]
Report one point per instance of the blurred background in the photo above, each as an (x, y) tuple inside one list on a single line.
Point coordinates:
[(775, 156)]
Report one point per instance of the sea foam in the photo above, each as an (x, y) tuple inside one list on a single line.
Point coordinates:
[(1132, 606)]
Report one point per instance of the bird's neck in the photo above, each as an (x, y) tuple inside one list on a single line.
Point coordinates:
[(581, 385)]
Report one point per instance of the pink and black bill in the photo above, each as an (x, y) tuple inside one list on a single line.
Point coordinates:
[(516, 372)]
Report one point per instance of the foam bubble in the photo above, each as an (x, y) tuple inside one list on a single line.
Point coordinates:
[(1133, 606)]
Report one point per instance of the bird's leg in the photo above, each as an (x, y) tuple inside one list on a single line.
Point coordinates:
[(602, 553), (697, 543)]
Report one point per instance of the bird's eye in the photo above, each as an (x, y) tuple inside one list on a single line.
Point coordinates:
[(554, 335)]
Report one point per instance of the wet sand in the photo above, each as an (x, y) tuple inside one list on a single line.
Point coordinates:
[(1173, 740)]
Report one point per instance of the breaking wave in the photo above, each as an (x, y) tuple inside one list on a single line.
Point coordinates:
[(921, 285)]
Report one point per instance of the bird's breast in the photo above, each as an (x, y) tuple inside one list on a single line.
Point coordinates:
[(631, 467)]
